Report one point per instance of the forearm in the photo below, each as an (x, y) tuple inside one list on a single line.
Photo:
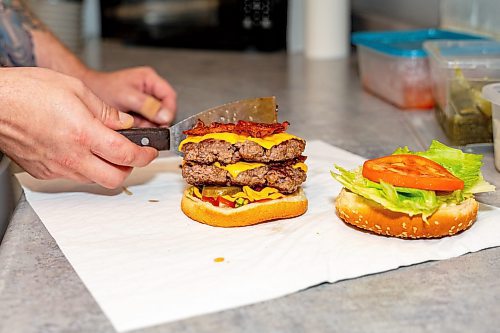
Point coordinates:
[(30, 43)]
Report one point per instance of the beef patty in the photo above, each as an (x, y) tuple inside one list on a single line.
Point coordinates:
[(282, 176), (210, 151)]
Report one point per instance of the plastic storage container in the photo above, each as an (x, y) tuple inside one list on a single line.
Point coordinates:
[(459, 70), (393, 65), (492, 93)]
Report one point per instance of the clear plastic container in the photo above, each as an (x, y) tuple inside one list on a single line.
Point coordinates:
[(393, 65), (459, 70), (492, 93)]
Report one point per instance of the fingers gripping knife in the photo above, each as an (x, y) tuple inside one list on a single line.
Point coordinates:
[(262, 110)]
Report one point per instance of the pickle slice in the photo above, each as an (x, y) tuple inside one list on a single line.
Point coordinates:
[(219, 191)]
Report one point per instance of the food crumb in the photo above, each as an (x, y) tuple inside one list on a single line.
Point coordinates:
[(153, 200), (126, 191), (219, 259)]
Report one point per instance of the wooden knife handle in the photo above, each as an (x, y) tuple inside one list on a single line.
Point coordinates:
[(158, 138)]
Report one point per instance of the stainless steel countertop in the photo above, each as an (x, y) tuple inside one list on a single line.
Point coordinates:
[(10, 192), (40, 292)]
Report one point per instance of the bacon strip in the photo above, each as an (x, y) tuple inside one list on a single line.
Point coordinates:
[(247, 128)]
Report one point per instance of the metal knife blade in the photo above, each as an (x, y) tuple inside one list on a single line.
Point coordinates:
[(262, 110)]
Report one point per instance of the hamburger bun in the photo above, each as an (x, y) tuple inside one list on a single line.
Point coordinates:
[(290, 206), (369, 215)]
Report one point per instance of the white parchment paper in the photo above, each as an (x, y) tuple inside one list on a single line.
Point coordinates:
[(146, 263)]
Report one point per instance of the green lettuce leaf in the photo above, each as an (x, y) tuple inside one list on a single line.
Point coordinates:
[(414, 201)]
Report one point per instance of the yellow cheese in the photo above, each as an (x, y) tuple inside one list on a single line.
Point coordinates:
[(237, 168), (246, 193), (267, 142), (252, 195), (301, 166)]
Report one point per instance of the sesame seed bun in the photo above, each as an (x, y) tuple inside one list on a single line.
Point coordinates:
[(290, 206), (369, 215)]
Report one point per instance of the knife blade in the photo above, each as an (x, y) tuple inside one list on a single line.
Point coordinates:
[(261, 109)]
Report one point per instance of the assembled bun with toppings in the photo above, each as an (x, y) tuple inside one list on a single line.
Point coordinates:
[(427, 194), (242, 174)]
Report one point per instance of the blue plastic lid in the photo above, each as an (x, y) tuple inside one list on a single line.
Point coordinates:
[(406, 43)]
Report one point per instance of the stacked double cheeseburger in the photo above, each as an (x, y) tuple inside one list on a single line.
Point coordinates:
[(242, 174)]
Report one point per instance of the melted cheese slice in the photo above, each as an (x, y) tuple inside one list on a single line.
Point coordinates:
[(237, 168), (301, 166), (267, 142)]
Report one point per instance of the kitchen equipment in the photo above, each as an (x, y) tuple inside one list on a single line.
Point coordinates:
[(459, 70), (492, 93), (262, 109), (9, 194), (207, 24), (394, 66)]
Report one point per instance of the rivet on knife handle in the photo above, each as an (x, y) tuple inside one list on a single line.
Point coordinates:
[(158, 138)]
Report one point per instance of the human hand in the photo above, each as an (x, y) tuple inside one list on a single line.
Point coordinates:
[(55, 127), (129, 90)]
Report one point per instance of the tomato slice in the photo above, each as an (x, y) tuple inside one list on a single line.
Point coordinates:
[(213, 201), (226, 202), (411, 171)]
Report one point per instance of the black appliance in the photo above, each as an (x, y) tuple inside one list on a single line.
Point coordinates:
[(205, 24)]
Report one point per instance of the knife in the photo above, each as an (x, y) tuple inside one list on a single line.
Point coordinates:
[(262, 110)]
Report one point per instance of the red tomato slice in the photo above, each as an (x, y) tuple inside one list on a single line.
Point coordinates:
[(213, 201), (226, 202), (411, 171)]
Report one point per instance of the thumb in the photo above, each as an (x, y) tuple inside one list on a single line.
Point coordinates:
[(108, 115), (114, 119)]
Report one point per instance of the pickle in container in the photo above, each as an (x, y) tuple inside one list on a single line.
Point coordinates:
[(459, 70)]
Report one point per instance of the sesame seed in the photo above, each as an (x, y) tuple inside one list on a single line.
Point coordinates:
[(460, 225), (436, 222), (404, 225), (415, 229), (377, 226)]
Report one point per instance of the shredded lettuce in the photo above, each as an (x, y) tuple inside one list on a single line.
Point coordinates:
[(412, 201)]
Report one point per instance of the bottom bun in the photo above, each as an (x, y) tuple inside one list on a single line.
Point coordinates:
[(290, 206), (369, 215)]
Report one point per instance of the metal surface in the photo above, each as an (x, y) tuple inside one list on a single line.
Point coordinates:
[(40, 292), (9, 194), (262, 109)]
